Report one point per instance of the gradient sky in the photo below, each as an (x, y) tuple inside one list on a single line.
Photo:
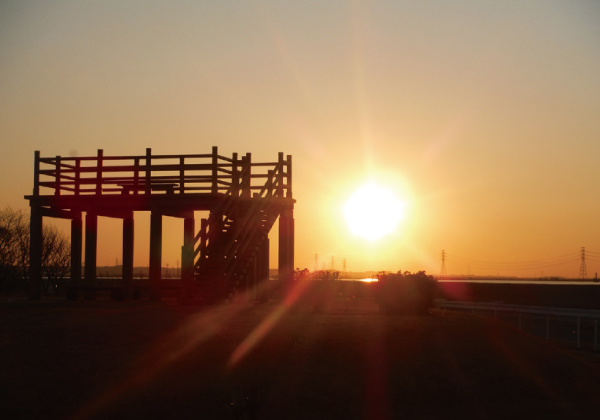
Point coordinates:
[(483, 115)]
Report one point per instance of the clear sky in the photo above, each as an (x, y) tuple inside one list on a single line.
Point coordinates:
[(483, 116)]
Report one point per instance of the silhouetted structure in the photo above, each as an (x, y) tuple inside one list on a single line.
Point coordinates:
[(229, 253), (443, 267), (582, 267)]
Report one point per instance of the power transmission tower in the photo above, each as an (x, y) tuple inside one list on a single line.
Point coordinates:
[(582, 268), (344, 265), (316, 261), (443, 269), (332, 262)]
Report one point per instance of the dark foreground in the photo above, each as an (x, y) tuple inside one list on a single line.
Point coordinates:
[(140, 360)]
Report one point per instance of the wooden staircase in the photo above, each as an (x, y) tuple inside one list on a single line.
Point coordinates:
[(228, 245)]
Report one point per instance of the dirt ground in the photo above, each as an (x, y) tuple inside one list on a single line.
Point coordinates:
[(143, 360)]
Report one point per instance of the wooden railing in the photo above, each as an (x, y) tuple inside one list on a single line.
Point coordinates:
[(160, 174)]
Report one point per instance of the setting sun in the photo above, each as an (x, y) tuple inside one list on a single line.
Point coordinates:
[(373, 212)]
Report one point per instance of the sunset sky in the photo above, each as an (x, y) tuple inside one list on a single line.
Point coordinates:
[(482, 117)]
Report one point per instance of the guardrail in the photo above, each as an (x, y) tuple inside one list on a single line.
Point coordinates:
[(554, 324)]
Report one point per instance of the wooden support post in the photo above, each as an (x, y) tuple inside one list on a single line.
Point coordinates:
[(286, 248), (215, 171), (76, 247), (289, 177), (155, 254), (127, 270), (235, 176), (35, 249), (57, 176), (263, 277), (136, 175), (187, 258), (270, 183), (247, 175), (91, 245), (181, 175), (77, 186), (36, 174), (148, 179), (99, 172), (280, 172)]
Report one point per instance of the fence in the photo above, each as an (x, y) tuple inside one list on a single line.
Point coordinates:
[(560, 325)]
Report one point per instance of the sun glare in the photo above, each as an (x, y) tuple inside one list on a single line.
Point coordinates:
[(373, 212)]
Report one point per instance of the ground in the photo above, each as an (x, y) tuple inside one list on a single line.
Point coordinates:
[(144, 360)]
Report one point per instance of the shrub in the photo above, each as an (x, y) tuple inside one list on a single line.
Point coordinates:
[(405, 293)]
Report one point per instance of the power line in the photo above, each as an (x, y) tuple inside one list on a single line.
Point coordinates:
[(570, 258), (550, 259)]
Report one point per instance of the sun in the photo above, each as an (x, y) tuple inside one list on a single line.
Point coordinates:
[(373, 212)]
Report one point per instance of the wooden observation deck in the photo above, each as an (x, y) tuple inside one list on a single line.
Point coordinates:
[(227, 254)]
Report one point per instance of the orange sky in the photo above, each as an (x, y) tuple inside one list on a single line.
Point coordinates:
[(483, 117)]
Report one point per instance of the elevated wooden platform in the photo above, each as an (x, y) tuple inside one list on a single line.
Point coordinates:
[(230, 251)]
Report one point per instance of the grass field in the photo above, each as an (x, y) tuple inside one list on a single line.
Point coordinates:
[(144, 360)]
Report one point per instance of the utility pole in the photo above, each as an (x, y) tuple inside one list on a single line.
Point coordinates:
[(443, 269), (582, 268)]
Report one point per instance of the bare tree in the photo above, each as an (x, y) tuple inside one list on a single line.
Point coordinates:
[(56, 258), (13, 225), (14, 252)]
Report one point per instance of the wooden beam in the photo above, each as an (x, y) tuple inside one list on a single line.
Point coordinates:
[(59, 213)]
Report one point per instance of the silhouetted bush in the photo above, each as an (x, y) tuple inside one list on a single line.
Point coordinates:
[(320, 287), (405, 293)]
